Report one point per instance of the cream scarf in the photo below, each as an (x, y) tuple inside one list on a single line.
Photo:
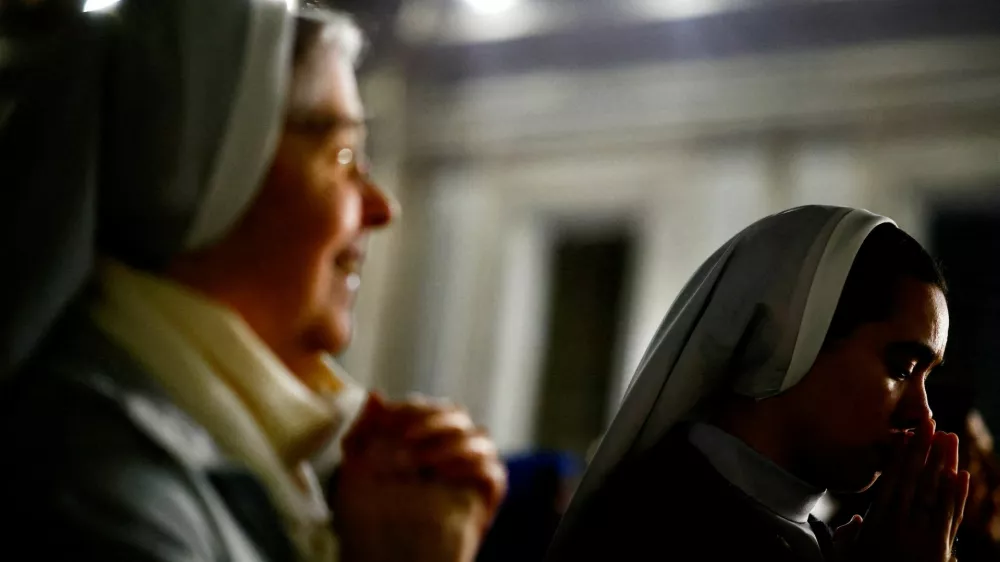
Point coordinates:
[(216, 369)]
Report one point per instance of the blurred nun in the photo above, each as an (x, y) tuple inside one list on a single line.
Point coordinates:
[(189, 205)]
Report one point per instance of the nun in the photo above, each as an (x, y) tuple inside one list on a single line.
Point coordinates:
[(188, 206), (792, 363)]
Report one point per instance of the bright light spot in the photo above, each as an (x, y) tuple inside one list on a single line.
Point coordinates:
[(98, 5), (491, 6), (680, 9)]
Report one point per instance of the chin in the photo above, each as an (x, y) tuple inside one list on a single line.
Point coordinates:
[(331, 334), (854, 482), (340, 332), (871, 482)]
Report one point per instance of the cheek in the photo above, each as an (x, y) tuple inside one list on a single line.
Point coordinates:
[(340, 220), (336, 224), (856, 399), (871, 413), (301, 221), (334, 209)]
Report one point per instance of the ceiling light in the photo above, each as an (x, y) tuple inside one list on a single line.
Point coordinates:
[(491, 6), (98, 5)]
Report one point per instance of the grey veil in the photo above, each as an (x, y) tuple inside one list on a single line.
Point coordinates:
[(752, 319), (136, 134)]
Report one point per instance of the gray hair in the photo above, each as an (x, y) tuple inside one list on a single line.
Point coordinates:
[(317, 27)]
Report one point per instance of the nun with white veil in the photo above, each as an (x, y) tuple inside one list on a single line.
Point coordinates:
[(792, 363), (187, 205)]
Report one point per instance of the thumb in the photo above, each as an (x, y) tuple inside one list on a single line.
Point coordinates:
[(848, 531)]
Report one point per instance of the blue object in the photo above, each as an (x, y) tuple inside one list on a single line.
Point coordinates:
[(539, 485)]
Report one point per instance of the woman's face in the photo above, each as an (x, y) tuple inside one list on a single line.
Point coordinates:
[(865, 390), (296, 256)]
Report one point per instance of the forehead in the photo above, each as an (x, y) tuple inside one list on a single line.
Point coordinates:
[(920, 314), (325, 83)]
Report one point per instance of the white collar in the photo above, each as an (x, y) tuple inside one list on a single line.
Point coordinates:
[(757, 476), (217, 370)]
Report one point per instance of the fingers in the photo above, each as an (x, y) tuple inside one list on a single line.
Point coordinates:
[(438, 423), (390, 456), (885, 498), (433, 435), (418, 406), (418, 399), (944, 512), (959, 489), (429, 437), (459, 457), (913, 464), (415, 418), (381, 420), (927, 488), (961, 496), (954, 492), (486, 476), (420, 439), (445, 446), (848, 531), (949, 448)]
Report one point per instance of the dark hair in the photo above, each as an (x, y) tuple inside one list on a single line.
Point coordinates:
[(887, 255)]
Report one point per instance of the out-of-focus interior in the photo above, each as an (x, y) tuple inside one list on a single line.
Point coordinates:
[(564, 166)]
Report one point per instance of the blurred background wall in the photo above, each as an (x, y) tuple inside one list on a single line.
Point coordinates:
[(565, 165)]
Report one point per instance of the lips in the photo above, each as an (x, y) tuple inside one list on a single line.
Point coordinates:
[(349, 262)]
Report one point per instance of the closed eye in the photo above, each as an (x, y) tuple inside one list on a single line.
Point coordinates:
[(321, 124), (901, 372), (905, 359)]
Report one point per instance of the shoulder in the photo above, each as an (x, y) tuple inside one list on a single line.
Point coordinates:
[(670, 498), (83, 476), (659, 498)]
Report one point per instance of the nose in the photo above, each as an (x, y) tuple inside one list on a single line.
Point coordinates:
[(914, 407), (379, 208)]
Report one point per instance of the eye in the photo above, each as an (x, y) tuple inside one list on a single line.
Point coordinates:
[(313, 126), (901, 370)]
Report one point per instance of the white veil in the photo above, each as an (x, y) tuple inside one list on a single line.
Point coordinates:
[(137, 134)]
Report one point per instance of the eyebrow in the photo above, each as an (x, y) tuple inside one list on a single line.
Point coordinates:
[(917, 350)]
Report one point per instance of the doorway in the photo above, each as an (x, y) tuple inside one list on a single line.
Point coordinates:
[(589, 277)]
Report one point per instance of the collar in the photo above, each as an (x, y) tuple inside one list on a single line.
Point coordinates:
[(215, 369), (757, 476), (296, 418)]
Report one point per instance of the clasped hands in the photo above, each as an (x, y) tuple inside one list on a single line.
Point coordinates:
[(419, 481), (919, 505)]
